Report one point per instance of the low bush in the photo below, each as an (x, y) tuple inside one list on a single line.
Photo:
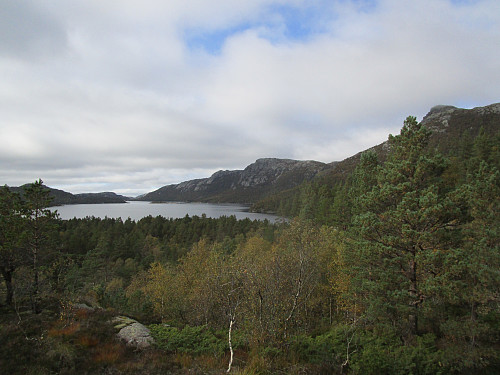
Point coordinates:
[(189, 340), (378, 353)]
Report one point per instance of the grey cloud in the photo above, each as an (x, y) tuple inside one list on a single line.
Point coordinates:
[(119, 102), (28, 31)]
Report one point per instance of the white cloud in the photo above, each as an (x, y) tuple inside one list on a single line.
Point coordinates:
[(107, 95)]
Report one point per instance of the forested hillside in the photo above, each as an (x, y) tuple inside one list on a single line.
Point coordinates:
[(60, 197), (454, 131), (395, 269)]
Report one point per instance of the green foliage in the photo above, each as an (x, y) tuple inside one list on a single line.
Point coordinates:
[(191, 340), (383, 354), (39, 235), (11, 228), (404, 228), (328, 348)]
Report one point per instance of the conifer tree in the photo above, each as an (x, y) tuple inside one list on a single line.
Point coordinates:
[(39, 225), (402, 227), (10, 234), (471, 281)]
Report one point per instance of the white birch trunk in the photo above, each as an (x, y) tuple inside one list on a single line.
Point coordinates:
[(231, 322)]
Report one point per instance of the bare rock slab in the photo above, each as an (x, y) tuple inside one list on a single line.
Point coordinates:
[(133, 333)]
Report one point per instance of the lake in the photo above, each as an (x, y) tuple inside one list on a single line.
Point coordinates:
[(137, 210)]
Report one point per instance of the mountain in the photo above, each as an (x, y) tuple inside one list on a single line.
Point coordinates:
[(449, 126), (61, 197), (272, 179), (454, 130), (258, 180)]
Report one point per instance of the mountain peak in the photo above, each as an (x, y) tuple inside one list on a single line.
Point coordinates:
[(241, 186), (438, 118), (441, 108)]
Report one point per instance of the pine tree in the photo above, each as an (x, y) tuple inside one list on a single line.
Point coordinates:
[(470, 283), (403, 225), (10, 234), (39, 221)]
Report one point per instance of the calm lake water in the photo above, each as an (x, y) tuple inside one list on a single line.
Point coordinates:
[(138, 210)]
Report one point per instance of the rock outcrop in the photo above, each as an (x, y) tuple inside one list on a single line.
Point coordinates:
[(440, 117), (268, 175), (133, 333)]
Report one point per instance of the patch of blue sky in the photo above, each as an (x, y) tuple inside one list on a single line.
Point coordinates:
[(464, 2), (212, 41), (278, 23), (299, 23), (365, 6)]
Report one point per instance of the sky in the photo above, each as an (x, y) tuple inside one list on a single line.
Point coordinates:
[(128, 96)]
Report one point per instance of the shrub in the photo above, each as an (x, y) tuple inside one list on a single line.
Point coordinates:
[(385, 354), (190, 340), (327, 349)]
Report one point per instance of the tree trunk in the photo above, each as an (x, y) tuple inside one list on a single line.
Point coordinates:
[(414, 299), (231, 322), (35, 297), (7, 276)]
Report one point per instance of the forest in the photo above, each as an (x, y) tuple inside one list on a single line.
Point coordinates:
[(395, 270)]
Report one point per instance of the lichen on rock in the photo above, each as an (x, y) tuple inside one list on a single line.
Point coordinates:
[(132, 332)]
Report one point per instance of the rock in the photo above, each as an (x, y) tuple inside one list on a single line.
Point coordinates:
[(133, 333), (438, 118), (82, 306)]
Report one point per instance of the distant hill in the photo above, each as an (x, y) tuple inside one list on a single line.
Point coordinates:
[(105, 197), (61, 197), (255, 182)]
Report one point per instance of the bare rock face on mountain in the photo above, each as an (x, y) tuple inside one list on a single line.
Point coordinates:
[(445, 118), (438, 117), (450, 124), (268, 171), (269, 175)]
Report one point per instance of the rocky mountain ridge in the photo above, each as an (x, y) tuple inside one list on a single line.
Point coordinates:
[(448, 124), (451, 127), (439, 116), (270, 176), (264, 176)]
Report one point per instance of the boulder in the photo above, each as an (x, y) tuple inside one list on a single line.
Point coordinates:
[(133, 333), (82, 306)]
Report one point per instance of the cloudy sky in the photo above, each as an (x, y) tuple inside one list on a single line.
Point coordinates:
[(128, 96)]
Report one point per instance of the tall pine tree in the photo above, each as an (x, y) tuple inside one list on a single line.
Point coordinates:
[(39, 227), (403, 225)]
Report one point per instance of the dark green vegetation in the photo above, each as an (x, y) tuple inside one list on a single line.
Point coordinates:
[(393, 269), (60, 197)]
